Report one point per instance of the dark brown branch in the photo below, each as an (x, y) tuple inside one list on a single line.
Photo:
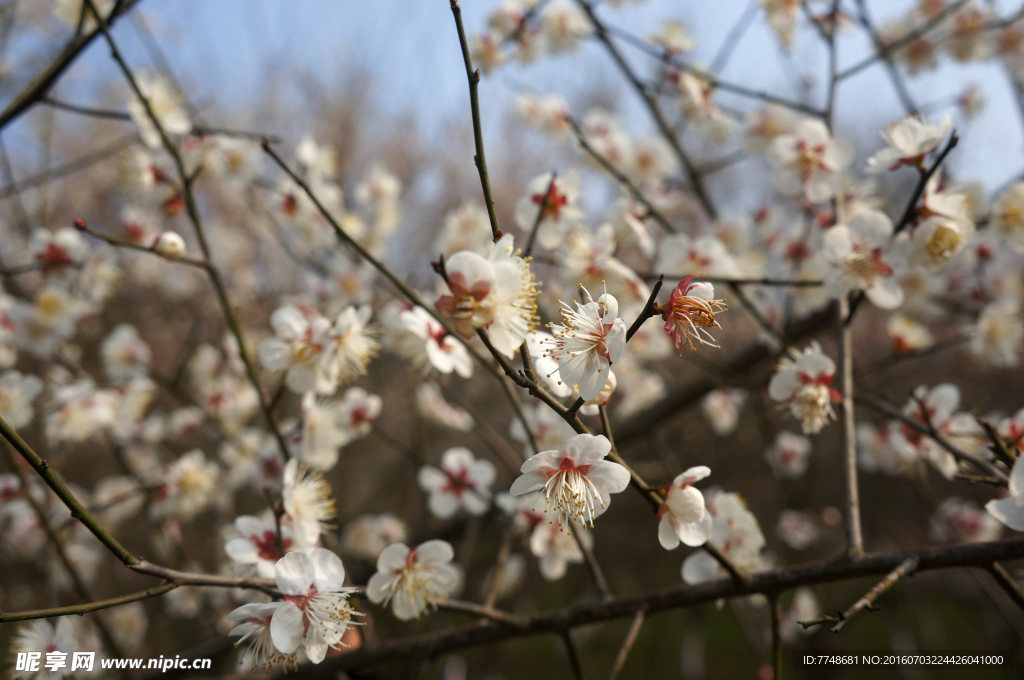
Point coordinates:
[(432, 644)]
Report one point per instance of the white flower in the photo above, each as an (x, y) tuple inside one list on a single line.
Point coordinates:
[(413, 579), (166, 104), (858, 253), (1010, 511), (315, 612), (431, 404), (797, 529), (674, 36), (125, 354), (587, 342), (368, 535), (461, 481), (909, 140), (351, 346), (561, 212), (908, 335), (57, 253), (188, 487), (253, 626), (259, 544), (1008, 216), (577, 478), (17, 392), (807, 161), (496, 293), (41, 636), (298, 347), (735, 531), (721, 408), (553, 544), (935, 240), (439, 349), (683, 514), (997, 337), (962, 521), (307, 502), (803, 381), (788, 455)]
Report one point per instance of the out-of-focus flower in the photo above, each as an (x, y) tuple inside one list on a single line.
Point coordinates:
[(259, 544), (907, 335), (909, 140), (432, 405), (299, 344), (859, 255), (553, 544), (997, 337), (17, 392), (577, 478), (411, 580), (1008, 216), (166, 104), (961, 521), (807, 161), (169, 245), (721, 408), (187, 487), (1010, 510), (439, 349), (798, 530), (461, 481), (803, 381), (788, 455), (367, 536), (555, 201), (735, 531)]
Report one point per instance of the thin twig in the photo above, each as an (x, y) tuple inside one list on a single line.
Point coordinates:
[(596, 572), (473, 77), (627, 644)]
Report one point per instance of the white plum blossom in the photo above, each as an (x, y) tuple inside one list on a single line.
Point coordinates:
[(299, 344), (461, 481), (909, 140), (735, 531), (798, 530), (17, 392), (788, 455), (803, 382), (1008, 216), (997, 337), (577, 479), (496, 294), (411, 580), (587, 342), (1010, 510), (431, 404), (552, 200), (307, 502), (807, 161), (187, 487), (166, 105), (259, 544), (368, 535), (555, 547), (253, 621), (684, 517), (858, 253), (907, 335), (721, 408), (351, 345), (958, 520), (439, 349), (315, 612), (125, 354)]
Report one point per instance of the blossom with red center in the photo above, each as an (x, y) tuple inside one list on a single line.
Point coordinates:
[(551, 203), (859, 252), (587, 342), (576, 479), (412, 580), (438, 349), (909, 140), (259, 544), (300, 343), (690, 311), (496, 294), (803, 382), (461, 482), (807, 161), (315, 613), (57, 252)]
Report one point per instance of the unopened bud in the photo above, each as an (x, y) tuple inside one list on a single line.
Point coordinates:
[(169, 245), (79, 224)]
